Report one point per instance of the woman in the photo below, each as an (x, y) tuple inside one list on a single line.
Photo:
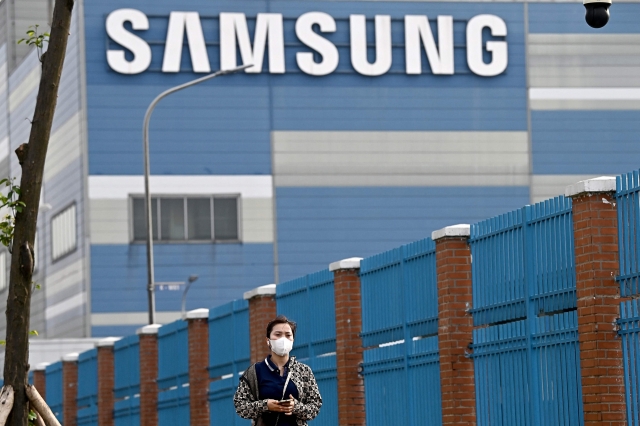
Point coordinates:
[(278, 390)]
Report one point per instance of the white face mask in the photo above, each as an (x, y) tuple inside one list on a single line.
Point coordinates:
[(281, 346)]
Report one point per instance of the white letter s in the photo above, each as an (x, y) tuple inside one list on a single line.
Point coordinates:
[(140, 49)]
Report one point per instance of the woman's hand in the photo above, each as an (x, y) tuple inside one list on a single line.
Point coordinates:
[(285, 407)]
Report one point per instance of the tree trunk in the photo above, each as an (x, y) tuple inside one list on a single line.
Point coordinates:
[(32, 158)]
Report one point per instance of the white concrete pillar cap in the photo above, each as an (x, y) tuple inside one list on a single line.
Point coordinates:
[(350, 263), (198, 314), (41, 367), (460, 230), (107, 342), (72, 357), (148, 329), (599, 184), (265, 290)]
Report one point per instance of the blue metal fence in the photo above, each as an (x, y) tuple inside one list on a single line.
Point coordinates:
[(400, 306), (309, 301), (87, 398), (527, 357), (53, 390), (628, 206), (229, 324), (126, 353), (173, 374), (630, 332)]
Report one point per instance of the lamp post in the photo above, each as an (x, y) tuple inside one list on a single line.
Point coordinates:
[(147, 195), (190, 281)]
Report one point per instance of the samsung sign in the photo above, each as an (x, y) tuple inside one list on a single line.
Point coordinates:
[(269, 34)]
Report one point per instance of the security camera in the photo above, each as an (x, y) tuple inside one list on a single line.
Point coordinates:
[(597, 14)]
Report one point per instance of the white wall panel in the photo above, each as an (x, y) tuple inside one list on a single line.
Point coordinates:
[(28, 87), (121, 187), (257, 220), (64, 147), (400, 158), (72, 303), (64, 279), (109, 221), (584, 98), (584, 60)]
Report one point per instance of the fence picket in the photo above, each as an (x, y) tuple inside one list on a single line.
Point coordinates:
[(399, 324), (53, 378), (309, 301), (230, 320), (87, 399), (126, 355)]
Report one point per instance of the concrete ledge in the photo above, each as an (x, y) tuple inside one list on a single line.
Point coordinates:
[(72, 357), (148, 329), (198, 314), (460, 230), (265, 290), (599, 184), (350, 263), (107, 342), (41, 367)]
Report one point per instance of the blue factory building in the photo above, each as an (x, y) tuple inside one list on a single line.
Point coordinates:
[(361, 125)]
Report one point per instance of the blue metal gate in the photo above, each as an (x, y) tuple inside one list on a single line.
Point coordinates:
[(630, 332), (53, 377), (526, 355), (126, 355), (226, 363), (87, 399), (628, 201), (309, 301), (400, 317), (173, 374)]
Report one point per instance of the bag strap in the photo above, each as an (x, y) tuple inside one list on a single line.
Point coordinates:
[(284, 391)]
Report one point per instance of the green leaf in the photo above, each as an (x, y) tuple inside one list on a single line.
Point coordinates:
[(33, 332), (32, 415), (38, 286), (3, 342)]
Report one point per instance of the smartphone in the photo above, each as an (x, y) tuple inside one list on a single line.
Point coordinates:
[(284, 401)]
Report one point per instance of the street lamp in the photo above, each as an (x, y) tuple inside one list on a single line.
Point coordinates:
[(190, 281), (147, 195)]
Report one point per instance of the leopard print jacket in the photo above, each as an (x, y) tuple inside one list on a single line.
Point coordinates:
[(249, 405)]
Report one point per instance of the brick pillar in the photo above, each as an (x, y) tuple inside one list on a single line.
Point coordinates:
[(351, 401), (198, 362), (40, 378), (455, 325), (148, 374), (70, 389), (262, 309), (106, 381), (595, 228)]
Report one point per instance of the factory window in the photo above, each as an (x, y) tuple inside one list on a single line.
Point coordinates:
[(212, 218), (63, 233)]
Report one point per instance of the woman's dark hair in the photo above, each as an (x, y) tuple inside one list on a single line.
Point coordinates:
[(281, 319)]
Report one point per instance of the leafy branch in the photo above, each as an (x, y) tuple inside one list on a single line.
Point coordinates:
[(35, 39), (10, 201)]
